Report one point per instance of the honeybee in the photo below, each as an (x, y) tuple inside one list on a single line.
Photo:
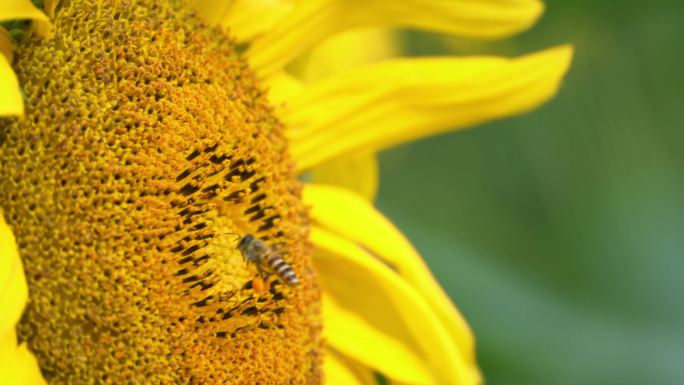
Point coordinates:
[(257, 251)]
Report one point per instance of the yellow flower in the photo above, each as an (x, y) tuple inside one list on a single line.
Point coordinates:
[(143, 143)]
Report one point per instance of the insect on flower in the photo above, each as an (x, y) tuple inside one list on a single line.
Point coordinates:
[(265, 257)]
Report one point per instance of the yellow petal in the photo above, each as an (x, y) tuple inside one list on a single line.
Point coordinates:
[(6, 45), (13, 289), (349, 215), (371, 343), (212, 12), (11, 102), (337, 373), (25, 10), (303, 27), (250, 18), (343, 51), (342, 371), (244, 18), (475, 18), (376, 317), (312, 21), (402, 100), (49, 6), (17, 365), (282, 87), (358, 173)]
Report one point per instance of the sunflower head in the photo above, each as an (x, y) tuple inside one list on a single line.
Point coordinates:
[(146, 144)]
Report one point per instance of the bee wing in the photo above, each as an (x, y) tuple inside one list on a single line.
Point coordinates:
[(278, 248)]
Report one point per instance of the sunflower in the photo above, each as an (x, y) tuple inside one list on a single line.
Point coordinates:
[(144, 139)]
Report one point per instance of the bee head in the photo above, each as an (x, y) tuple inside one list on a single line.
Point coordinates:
[(245, 241)]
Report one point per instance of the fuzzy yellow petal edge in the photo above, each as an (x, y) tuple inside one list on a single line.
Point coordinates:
[(17, 364), (11, 100)]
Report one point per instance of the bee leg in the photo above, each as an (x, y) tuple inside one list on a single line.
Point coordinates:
[(262, 285), (259, 285), (269, 281)]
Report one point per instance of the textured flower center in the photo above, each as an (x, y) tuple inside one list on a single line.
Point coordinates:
[(145, 148)]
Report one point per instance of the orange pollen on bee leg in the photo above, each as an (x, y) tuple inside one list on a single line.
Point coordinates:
[(259, 285)]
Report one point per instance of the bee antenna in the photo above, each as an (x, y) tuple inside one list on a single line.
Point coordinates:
[(237, 236)]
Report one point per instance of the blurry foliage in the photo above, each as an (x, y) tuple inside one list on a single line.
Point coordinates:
[(558, 233)]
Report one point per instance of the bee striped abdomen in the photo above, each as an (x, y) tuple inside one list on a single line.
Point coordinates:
[(258, 252), (283, 270)]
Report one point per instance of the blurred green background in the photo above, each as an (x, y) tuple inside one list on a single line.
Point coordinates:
[(558, 233)]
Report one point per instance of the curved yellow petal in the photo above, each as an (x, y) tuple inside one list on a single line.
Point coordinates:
[(251, 18), (378, 318), (312, 21), (334, 55), (358, 173), (308, 23), (13, 289), (341, 371), (354, 218), (50, 6), (245, 19), (6, 45), (402, 100), (372, 343), (11, 101), (475, 18), (25, 10), (282, 87), (343, 51), (337, 373), (211, 12), (17, 365)]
